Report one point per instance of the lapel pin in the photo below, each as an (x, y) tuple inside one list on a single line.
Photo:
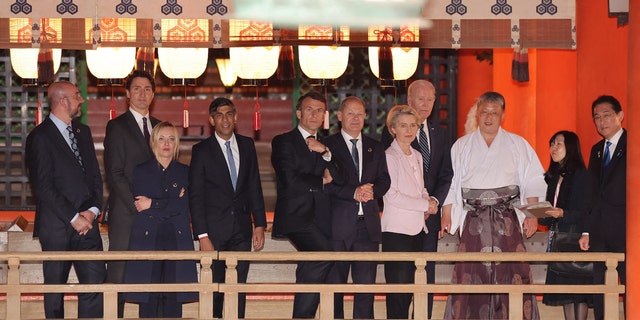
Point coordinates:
[(175, 185), (369, 150)]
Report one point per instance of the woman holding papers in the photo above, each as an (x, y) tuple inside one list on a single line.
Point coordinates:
[(568, 187)]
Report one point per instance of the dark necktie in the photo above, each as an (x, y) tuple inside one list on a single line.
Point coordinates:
[(607, 155), (74, 146), (354, 155), (424, 149), (232, 165), (145, 130)]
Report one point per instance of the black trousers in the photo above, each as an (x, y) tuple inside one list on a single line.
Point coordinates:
[(237, 242), (400, 271), (90, 305), (310, 238), (599, 269), (362, 272)]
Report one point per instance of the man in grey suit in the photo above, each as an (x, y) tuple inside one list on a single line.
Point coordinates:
[(65, 177), (225, 196), (126, 145)]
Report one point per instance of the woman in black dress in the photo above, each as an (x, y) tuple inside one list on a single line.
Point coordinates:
[(568, 191)]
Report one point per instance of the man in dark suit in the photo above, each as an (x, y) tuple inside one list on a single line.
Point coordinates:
[(302, 214), (65, 177), (225, 194), (605, 228), (126, 144), (354, 204), (436, 159)]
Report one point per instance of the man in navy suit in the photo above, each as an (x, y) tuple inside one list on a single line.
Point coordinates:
[(302, 214), (65, 177), (225, 194), (605, 230), (436, 156), (354, 204), (126, 146)]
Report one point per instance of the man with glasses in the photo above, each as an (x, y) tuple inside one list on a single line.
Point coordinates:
[(225, 196), (605, 228)]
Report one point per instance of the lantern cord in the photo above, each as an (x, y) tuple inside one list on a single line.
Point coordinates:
[(185, 111), (256, 113), (112, 106), (39, 109)]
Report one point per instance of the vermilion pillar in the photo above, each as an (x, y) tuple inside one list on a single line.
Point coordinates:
[(633, 165)]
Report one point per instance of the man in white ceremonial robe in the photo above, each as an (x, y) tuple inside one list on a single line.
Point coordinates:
[(494, 170)]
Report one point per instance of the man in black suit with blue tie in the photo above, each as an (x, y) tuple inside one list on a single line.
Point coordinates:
[(303, 166), (65, 177), (354, 203), (605, 227), (225, 196), (434, 144)]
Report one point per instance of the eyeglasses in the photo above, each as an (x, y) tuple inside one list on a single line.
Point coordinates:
[(603, 116)]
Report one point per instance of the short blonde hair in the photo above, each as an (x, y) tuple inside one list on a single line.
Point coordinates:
[(400, 110), (155, 136)]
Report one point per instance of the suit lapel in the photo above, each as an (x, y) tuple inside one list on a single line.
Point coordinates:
[(617, 154), (60, 142)]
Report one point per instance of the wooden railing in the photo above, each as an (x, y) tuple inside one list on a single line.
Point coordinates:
[(14, 288)]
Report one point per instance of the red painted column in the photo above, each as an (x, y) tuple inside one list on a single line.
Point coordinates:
[(633, 165)]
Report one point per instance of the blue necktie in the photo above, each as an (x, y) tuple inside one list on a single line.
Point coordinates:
[(74, 146), (607, 155), (232, 165), (354, 156), (424, 149)]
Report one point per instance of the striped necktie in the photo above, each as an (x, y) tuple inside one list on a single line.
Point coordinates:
[(424, 149)]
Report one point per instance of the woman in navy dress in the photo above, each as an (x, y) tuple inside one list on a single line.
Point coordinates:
[(163, 223), (568, 191)]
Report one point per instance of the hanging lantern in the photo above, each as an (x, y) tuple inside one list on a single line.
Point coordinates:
[(111, 65), (24, 63), (404, 62), (286, 69), (254, 63), (183, 66), (227, 75), (323, 63)]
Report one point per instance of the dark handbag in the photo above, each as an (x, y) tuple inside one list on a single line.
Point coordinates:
[(568, 242)]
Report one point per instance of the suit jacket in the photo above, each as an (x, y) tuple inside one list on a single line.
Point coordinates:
[(344, 207), (163, 187), (301, 198), (573, 197), (61, 187), (215, 206), (607, 219), (124, 148)]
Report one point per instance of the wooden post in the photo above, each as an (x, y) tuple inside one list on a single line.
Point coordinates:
[(420, 305), (611, 299), (13, 295), (205, 304), (515, 306), (231, 297), (110, 306), (326, 305)]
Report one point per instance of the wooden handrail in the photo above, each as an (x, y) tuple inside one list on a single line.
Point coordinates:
[(14, 288)]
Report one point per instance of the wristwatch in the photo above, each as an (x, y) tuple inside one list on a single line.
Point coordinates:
[(326, 150)]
